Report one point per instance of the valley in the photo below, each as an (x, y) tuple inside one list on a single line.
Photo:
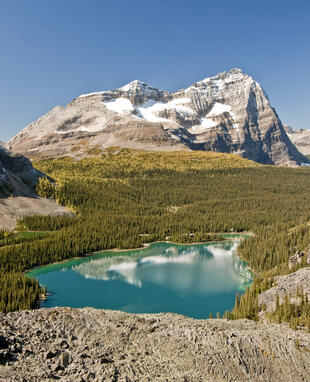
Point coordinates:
[(126, 198), (154, 191), (129, 198)]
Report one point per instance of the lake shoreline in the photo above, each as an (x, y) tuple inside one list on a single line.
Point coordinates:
[(212, 269), (145, 246)]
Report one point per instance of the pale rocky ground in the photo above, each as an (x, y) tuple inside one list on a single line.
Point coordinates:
[(229, 112), (285, 285), (97, 345), (12, 208), (17, 191)]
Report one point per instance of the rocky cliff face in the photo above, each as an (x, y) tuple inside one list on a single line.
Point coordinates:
[(96, 345), (17, 176), (18, 179), (301, 139), (227, 113), (286, 285)]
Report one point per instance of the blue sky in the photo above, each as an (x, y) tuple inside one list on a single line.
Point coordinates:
[(52, 51)]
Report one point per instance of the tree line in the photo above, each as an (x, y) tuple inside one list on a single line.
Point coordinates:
[(124, 200)]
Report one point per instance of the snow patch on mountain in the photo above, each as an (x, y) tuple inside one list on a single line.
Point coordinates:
[(205, 124), (150, 109), (140, 88), (218, 109), (91, 94), (91, 129), (120, 105), (136, 84)]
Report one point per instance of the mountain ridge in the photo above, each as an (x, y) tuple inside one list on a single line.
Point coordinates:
[(229, 112)]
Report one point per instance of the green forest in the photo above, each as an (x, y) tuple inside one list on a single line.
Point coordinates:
[(119, 197)]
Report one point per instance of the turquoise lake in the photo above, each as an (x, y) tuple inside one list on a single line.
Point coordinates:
[(193, 280)]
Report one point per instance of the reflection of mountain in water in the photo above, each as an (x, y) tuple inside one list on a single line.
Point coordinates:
[(242, 270), (200, 268)]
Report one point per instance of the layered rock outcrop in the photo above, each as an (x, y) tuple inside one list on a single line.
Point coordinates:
[(301, 139), (96, 345), (226, 113)]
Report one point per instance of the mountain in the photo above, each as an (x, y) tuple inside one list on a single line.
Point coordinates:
[(17, 176), (227, 113), (301, 139)]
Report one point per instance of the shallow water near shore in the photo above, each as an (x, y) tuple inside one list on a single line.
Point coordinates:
[(193, 280)]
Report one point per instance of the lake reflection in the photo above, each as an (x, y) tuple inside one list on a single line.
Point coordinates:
[(193, 280)]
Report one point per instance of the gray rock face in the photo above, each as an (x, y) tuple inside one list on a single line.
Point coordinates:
[(18, 179), (114, 346), (301, 139), (295, 259), (285, 285), (17, 176), (227, 113)]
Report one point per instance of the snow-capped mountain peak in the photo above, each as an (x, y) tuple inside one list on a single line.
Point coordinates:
[(136, 84), (229, 112)]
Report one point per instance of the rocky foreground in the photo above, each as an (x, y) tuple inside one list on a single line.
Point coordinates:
[(97, 345)]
